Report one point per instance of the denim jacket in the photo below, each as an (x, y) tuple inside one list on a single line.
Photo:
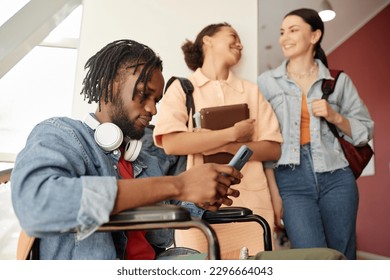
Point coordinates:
[(286, 99), (168, 165), (64, 182)]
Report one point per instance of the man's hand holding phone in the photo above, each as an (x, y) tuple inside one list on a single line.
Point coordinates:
[(238, 161)]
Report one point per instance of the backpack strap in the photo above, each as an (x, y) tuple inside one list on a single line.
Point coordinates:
[(328, 85), (188, 89), (327, 88)]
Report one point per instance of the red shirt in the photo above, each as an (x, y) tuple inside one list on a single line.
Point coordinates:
[(137, 248)]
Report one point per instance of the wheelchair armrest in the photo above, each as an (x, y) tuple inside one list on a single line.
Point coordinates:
[(226, 213), (150, 214), (163, 216), (237, 215)]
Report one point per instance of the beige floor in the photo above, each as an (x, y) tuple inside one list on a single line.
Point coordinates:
[(9, 225)]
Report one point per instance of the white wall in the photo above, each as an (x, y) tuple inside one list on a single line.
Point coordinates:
[(163, 25)]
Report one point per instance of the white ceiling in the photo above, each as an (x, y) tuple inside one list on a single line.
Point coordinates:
[(350, 16)]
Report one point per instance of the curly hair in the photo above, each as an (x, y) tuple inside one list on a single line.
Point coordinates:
[(193, 51)]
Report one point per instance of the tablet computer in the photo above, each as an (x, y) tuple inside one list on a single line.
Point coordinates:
[(221, 117)]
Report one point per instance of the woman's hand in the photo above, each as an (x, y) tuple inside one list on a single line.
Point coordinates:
[(276, 199), (321, 108), (277, 205), (243, 130)]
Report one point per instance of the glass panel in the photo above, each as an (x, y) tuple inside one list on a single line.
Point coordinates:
[(41, 85)]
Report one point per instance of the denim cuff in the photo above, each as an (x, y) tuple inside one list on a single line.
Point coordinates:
[(194, 210), (97, 202), (360, 135)]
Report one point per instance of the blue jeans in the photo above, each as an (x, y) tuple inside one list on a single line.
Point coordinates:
[(320, 209)]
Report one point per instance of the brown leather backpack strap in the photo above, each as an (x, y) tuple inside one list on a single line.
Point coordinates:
[(25, 243)]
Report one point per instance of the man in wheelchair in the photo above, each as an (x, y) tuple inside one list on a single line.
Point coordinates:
[(73, 175)]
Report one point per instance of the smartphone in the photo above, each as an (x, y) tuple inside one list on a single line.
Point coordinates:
[(241, 157)]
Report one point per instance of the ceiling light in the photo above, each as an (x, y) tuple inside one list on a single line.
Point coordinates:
[(326, 11)]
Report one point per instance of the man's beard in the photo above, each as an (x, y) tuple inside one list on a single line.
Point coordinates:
[(120, 118)]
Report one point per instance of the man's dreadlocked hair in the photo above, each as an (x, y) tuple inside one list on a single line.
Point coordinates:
[(105, 65)]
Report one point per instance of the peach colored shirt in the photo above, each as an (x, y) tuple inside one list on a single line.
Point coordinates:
[(172, 117)]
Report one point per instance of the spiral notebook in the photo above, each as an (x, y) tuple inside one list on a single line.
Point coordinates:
[(221, 117)]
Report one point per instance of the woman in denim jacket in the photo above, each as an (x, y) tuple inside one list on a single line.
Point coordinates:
[(319, 196)]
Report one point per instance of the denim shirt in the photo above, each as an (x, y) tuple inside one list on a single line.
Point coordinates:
[(158, 163), (285, 97), (64, 182)]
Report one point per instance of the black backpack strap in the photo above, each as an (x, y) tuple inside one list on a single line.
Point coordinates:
[(188, 89), (327, 88), (328, 85)]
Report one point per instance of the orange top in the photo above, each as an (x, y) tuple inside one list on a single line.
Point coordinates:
[(305, 122)]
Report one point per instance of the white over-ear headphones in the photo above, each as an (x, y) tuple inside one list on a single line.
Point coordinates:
[(109, 137)]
